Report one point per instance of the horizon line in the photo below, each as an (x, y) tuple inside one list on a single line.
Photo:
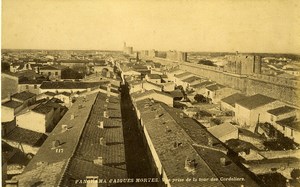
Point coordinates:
[(241, 52)]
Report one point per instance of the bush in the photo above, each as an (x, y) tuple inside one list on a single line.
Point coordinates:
[(206, 62), (216, 121), (295, 173), (200, 98)]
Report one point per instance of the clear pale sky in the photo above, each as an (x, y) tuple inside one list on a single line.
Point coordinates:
[(187, 25)]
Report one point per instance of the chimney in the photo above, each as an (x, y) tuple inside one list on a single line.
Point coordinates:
[(41, 163), (105, 114), (190, 165), (99, 161), (64, 128), (102, 141), (9, 96), (55, 144), (72, 116), (177, 144), (209, 141), (223, 161), (108, 74), (101, 124), (181, 115)]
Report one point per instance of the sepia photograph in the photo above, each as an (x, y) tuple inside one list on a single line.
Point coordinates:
[(150, 93)]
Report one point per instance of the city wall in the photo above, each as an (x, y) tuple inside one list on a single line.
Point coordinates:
[(280, 154), (279, 88)]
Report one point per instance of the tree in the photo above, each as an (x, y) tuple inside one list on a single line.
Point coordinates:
[(80, 69), (206, 62), (200, 98), (295, 173), (217, 121), (5, 66), (180, 88)]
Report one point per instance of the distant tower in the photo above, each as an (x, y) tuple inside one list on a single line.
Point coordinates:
[(238, 67), (137, 56), (257, 64), (124, 44)]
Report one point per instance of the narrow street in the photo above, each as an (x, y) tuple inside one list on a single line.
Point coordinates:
[(138, 163)]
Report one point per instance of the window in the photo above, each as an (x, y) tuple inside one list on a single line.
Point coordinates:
[(49, 73), (27, 87), (283, 128), (56, 73), (35, 86), (292, 132)]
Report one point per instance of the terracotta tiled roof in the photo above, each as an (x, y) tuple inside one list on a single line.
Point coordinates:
[(255, 101), (55, 163), (232, 99), (166, 126), (215, 87), (26, 136), (12, 104), (185, 74), (23, 95), (281, 110), (69, 85), (191, 79), (42, 109)]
